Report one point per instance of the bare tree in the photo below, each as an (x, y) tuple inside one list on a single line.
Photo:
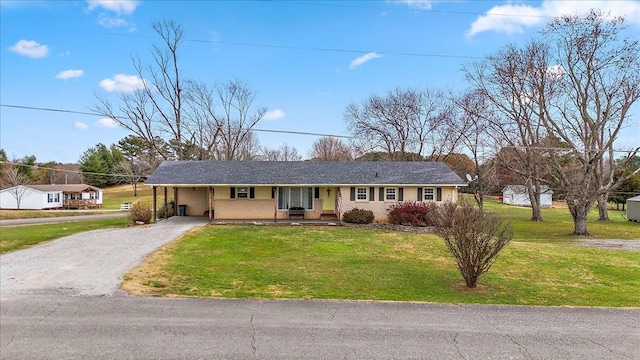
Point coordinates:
[(183, 112), (236, 119), (565, 99), (15, 180), (283, 153), (472, 121), (132, 172), (512, 80), (330, 149), (598, 77), (223, 132), (248, 149), (156, 109), (402, 122)]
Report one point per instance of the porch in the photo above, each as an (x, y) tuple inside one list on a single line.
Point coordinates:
[(80, 204), (255, 203), (256, 222)]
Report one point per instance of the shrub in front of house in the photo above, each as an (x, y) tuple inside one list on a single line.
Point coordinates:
[(168, 210), (358, 216), (140, 212), (413, 213), (474, 238)]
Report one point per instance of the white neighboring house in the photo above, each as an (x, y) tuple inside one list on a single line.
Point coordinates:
[(39, 197), (519, 195), (633, 208)]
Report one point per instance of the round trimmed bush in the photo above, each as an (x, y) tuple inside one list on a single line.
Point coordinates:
[(358, 216)]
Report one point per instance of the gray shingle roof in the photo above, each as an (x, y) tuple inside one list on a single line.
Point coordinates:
[(303, 173), (64, 187)]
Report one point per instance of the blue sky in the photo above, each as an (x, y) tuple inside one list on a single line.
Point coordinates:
[(307, 60)]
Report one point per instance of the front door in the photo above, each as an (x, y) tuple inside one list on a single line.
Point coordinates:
[(328, 196)]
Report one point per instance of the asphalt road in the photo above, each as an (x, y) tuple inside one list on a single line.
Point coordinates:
[(52, 220), (60, 300), (64, 327)]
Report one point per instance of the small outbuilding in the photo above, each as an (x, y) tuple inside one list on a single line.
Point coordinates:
[(519, 195), (633, 208)]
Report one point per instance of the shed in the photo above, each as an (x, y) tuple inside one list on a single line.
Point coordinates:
[(519, 195), (633, 208)]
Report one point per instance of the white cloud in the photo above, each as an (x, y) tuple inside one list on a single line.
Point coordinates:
[(363, 59), (80, 125), (30, 48), (117, 6), (122, 83), (511, 18), (106, 123), (111, 22), (418, 4), (274, 114), (555, 72), (69, 74)]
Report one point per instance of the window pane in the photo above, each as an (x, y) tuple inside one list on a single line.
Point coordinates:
[(283, 198), (361, 194), (309, 199), (390, 193), (428, 193), (295, 197)]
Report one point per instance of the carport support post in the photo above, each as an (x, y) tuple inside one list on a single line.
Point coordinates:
[(165, 202), (210, 196), (155, 202)]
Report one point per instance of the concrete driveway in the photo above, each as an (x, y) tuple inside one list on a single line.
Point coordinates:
[(89, 263)]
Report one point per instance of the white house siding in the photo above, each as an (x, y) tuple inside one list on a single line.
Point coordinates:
[(30, 200), (511, 197)]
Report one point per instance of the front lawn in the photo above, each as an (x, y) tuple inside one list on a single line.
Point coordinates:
[(368, 264), (19, 237), (558, 224), (114, 196)]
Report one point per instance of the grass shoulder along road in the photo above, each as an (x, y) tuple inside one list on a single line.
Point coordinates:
[(19, 237), (368, 264), (32, 214)]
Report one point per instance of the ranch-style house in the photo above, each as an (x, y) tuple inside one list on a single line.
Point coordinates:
[(314, 190)]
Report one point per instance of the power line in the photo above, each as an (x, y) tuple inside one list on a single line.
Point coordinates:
[(292, 132), (310, 48), (35, 167), (305, 133)]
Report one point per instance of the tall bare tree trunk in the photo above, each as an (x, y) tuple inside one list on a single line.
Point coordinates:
[(579, 210), (603, 213), (534, 197)]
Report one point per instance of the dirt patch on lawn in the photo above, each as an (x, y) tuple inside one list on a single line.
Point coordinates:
[(611, 244), (148, 278)]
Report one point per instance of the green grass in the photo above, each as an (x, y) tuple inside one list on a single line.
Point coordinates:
[(558, 224), (30, 214), (352, 263), (19, 237), (114, 196)]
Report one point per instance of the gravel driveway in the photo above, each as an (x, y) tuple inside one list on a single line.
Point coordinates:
[(86, 264)]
